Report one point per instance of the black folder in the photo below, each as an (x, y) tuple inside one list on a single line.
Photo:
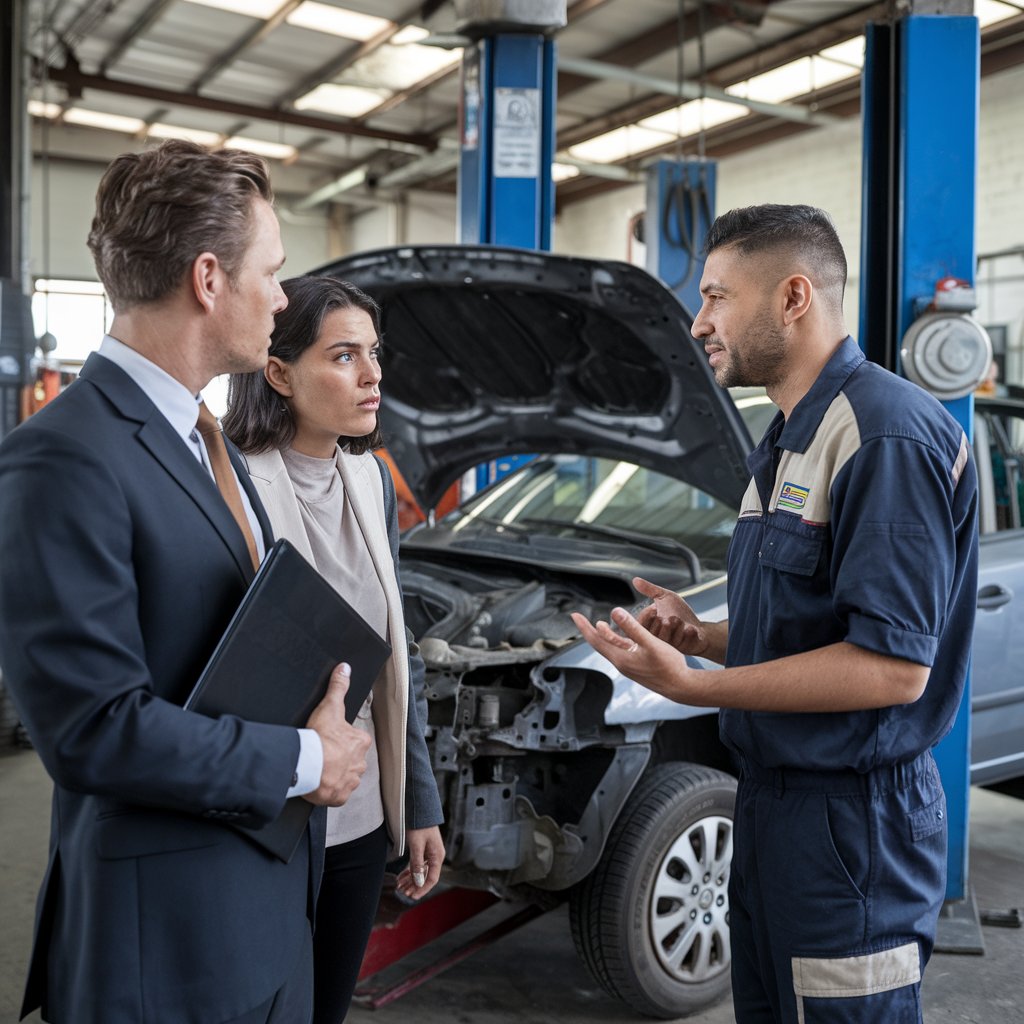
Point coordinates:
[(275, 659)]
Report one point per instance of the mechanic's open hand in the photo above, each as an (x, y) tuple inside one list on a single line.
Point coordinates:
[(643, 657), (344, 745), (426, 855), (671, 619)]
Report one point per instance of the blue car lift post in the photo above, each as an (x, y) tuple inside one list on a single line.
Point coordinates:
[(505, 197), (920, 112)]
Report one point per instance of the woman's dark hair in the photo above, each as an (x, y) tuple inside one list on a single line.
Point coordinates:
[(258, 418)]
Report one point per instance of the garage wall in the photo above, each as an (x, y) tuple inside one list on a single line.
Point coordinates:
[(417, 218), (307, 238)]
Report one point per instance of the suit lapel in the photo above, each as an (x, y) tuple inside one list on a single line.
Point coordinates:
[(242, 472), (170, 451)]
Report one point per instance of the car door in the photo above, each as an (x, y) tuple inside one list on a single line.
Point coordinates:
[(997, 699)]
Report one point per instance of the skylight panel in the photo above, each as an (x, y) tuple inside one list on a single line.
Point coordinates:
[(251, 8), (619, 144), (851, 52), (779, 84), (991, 11), (337, 21), (344, 100), (690, 118), (401, 67)]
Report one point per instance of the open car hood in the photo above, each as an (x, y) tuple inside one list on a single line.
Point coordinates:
[(490, 352)]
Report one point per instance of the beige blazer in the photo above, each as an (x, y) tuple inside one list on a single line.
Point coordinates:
[(365, 492)]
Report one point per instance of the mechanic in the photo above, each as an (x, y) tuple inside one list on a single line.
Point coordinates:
[(852, 579)]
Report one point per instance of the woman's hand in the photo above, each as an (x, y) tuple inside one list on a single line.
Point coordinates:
[(426, 855)]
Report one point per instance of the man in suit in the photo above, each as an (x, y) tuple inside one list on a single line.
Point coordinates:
[(122, 564)]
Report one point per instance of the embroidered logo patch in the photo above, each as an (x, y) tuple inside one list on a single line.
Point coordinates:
[(793, 496)]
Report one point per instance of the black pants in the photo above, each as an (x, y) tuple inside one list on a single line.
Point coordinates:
[(345, 911)]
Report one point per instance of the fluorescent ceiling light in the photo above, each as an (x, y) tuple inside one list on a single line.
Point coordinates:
[(619, 144), (409, 34), (252, 8), (271, 150), (65, 287), (37, 108), (401, 67), (346, 100), (337, 20), (690, 118), (112, 122), (197, 135), (991, 11), (561, 172)]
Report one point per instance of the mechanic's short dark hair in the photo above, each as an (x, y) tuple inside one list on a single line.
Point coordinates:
[(803, 232), (156, 211), (258, 418)]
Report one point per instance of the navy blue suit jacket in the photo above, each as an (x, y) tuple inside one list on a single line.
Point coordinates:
[(121, 567)]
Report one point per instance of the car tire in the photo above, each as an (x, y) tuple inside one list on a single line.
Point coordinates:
[(651, 921)]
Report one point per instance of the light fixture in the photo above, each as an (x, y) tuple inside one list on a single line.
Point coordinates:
[(409, 34), (98, 119), (562, 172), (337, 21), (37, 108), (172, 131), (345, 100), (271, 150)]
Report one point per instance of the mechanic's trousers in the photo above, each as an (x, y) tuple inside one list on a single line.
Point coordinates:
[(836, 885)]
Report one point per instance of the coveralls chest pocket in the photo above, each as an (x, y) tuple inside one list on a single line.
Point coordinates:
[(793, 580)]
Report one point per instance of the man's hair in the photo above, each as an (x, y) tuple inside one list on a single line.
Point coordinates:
[(156, 211), (258, 418), (804, 234)]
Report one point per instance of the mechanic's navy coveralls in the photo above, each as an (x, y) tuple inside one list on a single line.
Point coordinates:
[(859, 525)]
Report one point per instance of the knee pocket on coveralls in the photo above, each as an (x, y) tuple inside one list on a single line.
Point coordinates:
[(863, 988)]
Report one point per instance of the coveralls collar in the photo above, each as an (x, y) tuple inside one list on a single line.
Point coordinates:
[(806, 417)]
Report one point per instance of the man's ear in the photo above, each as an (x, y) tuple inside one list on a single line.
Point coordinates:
[(276, 373), (797, 293), (208, 280)]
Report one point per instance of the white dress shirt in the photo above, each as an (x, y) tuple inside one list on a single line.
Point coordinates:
[(181, 409)]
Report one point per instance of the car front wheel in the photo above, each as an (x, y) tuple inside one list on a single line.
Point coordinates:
[(651, 921)]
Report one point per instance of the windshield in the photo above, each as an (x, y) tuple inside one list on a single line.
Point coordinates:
[(597, 498)]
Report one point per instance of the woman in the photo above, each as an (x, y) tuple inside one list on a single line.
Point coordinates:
[(308, 426)]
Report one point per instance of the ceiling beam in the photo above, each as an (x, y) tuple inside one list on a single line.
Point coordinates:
[(75, 82), (801, 44), (251, 38), (666, 36), (147, 18)]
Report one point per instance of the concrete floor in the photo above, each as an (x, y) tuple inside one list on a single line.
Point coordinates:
[(533, 976)]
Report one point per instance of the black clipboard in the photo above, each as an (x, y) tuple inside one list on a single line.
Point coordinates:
[(275, 659)]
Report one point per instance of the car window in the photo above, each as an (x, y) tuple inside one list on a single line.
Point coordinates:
[(999, 452), (567, 490)]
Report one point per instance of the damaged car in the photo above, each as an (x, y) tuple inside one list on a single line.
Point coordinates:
[(561, 779)]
